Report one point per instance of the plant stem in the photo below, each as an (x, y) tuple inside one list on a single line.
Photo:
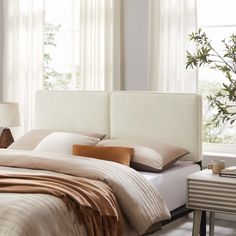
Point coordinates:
[(223, 59)]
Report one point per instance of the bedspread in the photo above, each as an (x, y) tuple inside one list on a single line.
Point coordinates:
[(92, 201), (138, 200)]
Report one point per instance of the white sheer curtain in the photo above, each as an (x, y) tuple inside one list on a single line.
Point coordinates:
[(23, 50), (170, 23), (99, 44), (23, 55)]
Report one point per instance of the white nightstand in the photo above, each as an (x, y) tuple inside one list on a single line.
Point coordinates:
[(209, 192)]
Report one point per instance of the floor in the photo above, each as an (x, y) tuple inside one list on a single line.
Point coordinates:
[(183, 227)]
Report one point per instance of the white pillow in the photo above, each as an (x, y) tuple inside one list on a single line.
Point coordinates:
[(62, 142)]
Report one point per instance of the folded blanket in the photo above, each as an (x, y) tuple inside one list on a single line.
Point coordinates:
[(138, 200), (92, 201)]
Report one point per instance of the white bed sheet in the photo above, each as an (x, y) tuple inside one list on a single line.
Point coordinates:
[(172, 183)]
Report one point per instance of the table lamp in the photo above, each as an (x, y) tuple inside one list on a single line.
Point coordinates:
[(9, 117)]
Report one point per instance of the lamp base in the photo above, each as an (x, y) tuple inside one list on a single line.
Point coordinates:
[(6, 138)]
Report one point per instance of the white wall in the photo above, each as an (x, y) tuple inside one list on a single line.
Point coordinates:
[(1, 47), (134, 26)]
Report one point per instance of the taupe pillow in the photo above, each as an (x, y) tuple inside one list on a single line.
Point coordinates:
[(31, 139), (148, 157)]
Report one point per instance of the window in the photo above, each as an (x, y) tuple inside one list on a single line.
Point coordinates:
[(61, 44), (217, 19)]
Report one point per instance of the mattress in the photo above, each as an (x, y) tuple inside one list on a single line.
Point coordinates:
[(172, 183)]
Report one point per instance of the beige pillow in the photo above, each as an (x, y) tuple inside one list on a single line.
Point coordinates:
[(61, 142), (31, 139), (147, 156), (120, 155)]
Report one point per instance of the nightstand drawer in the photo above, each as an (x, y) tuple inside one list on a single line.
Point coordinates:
[(212, 196)]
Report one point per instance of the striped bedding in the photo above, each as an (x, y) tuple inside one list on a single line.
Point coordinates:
[(42, 214)]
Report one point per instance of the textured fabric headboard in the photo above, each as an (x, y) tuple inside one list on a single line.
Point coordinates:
[(169, 118), (72, 111)]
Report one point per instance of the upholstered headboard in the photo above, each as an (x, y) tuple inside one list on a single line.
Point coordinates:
[(72, 110), (168, 118)]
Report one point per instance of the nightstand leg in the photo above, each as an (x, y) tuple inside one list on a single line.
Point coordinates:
[(212, 223), (196, 222), (203, 224)]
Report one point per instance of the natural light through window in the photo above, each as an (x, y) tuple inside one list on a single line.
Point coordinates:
[(217, 19), (61, 44)]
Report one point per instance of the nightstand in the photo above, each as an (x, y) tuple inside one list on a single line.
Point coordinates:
[(210, 192)]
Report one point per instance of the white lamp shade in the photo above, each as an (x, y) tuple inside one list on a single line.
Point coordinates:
[(9, 114)]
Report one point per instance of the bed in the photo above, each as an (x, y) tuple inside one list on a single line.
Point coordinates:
[(140, 198)]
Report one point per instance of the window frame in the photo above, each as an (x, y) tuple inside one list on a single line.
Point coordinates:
[(220, 148)]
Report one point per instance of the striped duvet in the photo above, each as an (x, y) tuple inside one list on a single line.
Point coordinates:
[(42, 214)]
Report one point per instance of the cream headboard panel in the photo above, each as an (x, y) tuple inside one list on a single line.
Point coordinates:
[(72, 111), (169, 118)]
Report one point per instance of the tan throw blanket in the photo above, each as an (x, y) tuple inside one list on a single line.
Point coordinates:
[(137, 198), (92, 201)]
